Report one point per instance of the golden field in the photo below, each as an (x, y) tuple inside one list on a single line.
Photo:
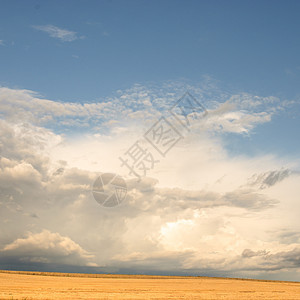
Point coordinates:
[(38, 285)]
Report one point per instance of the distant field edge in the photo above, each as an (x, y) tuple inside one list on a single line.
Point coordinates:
[(59, 274)]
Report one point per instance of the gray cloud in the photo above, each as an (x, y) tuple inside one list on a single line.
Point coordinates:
[(151, 197), (268, 179), (249, 199), (288, 236), (250, 253), (266, 261)]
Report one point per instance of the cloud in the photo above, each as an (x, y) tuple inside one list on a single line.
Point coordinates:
[(250, 253), (268, 179), (62, 34), (289, 236), (147, 196), (47, 247), (198, 212), (264, 260), (238, 114), (1, 43), (242, 113)]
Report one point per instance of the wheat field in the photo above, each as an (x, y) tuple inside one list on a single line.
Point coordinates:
[(38, 285)]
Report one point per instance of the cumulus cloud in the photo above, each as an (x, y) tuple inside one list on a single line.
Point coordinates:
[(47, 247), (62, 34)]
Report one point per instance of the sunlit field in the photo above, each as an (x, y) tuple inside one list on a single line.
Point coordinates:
[(37, 285)]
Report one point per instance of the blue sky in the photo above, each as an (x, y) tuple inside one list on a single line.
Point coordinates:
[(248, 45), (81, 81)]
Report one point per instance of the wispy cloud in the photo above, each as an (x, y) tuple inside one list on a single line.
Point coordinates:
[(58, 33), (1, 43)]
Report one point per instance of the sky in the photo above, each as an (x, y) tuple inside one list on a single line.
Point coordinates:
[(83, 82)]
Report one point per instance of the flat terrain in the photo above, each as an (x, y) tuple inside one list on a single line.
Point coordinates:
[(35, 285)]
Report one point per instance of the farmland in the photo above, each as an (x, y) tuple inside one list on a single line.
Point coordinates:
[(38, 285)]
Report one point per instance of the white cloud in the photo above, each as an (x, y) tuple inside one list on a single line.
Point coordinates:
[(1, 43), (58, 33), (134, 107)]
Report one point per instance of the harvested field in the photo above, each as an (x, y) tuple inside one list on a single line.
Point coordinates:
[(38, 285)]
